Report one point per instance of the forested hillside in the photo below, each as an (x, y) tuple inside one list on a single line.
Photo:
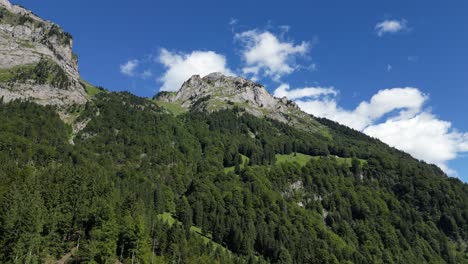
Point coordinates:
[(139, 184)]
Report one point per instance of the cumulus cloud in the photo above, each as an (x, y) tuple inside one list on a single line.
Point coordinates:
[(284, 90), (397, 117), (408, 101), (129, 67), (328, 108), (390, 27), (265, 54), (405, 101), (181, 66), (424, 136)]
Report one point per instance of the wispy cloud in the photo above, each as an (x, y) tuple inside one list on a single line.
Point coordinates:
[(285, 91), (129, 67), (146, 74), (390, 27), (233, 23)]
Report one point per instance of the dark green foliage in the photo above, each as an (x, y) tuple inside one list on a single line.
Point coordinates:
[(45, 71), (108, 197), (64, 38), (163, 94)]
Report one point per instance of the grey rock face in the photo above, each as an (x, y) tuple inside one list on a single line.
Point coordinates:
[(25, 40), (5, 3), (225, 88), (216, 92)]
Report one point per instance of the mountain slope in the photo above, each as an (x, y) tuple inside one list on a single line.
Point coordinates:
[(134, 161), (219, 172)]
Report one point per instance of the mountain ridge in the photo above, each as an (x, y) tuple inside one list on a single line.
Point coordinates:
[(217, 91)]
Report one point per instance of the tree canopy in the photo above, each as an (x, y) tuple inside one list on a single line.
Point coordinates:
[(140, 185)]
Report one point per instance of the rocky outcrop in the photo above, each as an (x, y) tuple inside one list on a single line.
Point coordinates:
[(216, 91), (36, 59)]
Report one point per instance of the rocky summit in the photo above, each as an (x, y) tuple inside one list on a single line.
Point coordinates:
[(216, 91), (36, 60)]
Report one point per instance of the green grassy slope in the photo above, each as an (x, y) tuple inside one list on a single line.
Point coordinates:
[(174, 108), (245, 160), (207, 238), (302, 159)]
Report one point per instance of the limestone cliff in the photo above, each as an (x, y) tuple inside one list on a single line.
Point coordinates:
[(216, 92), (36, 59)]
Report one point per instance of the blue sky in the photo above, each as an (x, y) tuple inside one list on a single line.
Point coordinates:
[(405, 81)]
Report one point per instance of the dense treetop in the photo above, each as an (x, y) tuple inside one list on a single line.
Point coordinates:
[(141, 185)]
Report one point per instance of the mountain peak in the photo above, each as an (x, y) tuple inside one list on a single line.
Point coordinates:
[(36, 59), (222, 90), (217, 91)]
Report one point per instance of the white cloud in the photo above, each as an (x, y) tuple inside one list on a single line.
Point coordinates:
[(146, 74), (284, 29), (406, 101), (264, 53), (284, 90), (129, 67), (397, 117), (390, 26), (424, 136), (181, 66), (389, 68), (312, 67), (328, 108), (233, 21)]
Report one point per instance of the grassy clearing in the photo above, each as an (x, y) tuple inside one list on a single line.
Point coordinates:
[(167, 217), (245, 160), (326, 133), (91, 90), (207, 238), (10, 74), (26, 44), (174, 108), (302, 159), (6, 75)]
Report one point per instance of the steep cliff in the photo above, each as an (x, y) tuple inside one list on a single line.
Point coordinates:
[(36, 59)]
